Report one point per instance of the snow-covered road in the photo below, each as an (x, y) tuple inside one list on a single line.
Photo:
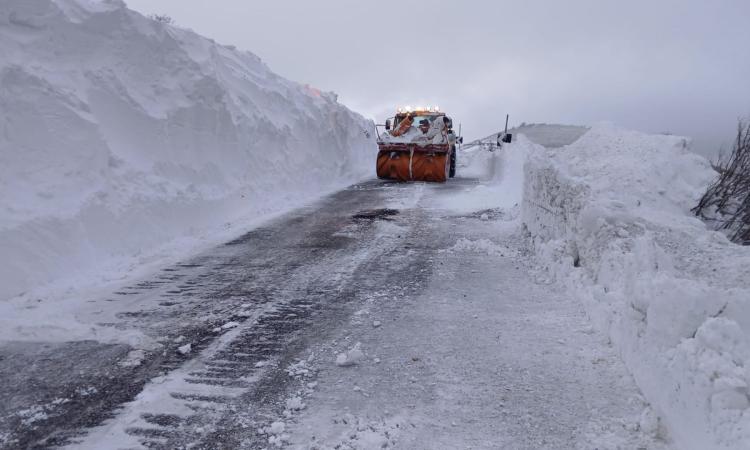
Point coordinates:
[(464, 343)]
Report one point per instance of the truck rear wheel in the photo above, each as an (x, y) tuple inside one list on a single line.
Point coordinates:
[(452, 172)]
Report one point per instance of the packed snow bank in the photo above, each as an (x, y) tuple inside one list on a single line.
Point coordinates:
[(610, 217), (120, 135)]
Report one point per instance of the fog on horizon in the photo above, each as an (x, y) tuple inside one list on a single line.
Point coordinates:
[(680, 67)]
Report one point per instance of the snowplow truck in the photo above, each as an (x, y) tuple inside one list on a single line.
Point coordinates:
[(417, 145)]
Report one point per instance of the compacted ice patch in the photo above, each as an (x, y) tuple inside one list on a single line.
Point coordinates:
[(485, 246), (125, 141), (609, 216)]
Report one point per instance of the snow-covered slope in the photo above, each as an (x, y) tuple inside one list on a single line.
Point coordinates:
[(120, 136), (610, 217)]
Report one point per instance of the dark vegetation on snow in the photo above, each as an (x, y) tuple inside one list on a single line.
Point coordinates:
[(726, 203)]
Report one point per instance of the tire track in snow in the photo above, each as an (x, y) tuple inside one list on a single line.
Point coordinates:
[(310, 289), (268, 275)]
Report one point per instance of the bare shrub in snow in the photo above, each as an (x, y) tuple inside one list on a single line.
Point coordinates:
[(726, 203), (163, 18)]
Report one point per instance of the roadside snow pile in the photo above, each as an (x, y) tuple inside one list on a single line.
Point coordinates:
[(351, 357), (120, 135), (610, 216)]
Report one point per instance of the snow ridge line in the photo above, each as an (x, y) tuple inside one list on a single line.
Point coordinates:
[(682, 334)]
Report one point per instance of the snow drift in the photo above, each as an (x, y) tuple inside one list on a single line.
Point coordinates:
[(610, 216), (501, 187), (120, 134)]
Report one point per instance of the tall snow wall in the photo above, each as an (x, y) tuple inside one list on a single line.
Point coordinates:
[(120, 134), (609, 216)]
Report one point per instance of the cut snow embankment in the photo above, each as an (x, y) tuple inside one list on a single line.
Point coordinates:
[(123, 140), (610, 217)]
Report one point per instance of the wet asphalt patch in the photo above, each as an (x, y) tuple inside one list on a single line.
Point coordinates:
[(376, 214)]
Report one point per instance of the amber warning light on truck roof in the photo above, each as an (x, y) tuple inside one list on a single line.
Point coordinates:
[(408, 108)]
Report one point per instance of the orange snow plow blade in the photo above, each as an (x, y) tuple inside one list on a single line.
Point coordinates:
[(393, 165), (411, 162)]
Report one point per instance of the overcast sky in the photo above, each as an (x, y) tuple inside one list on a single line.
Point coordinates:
[(679, 66)]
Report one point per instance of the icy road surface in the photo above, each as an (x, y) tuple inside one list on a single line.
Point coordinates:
[(385, 316), (482, 353)]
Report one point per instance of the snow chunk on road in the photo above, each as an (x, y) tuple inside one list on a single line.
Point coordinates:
[(134, 358), (295, 403), (230, 325), (33, 414), (276, 433), (350, 357), (185, 349), (299, 369), (277, 427)]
